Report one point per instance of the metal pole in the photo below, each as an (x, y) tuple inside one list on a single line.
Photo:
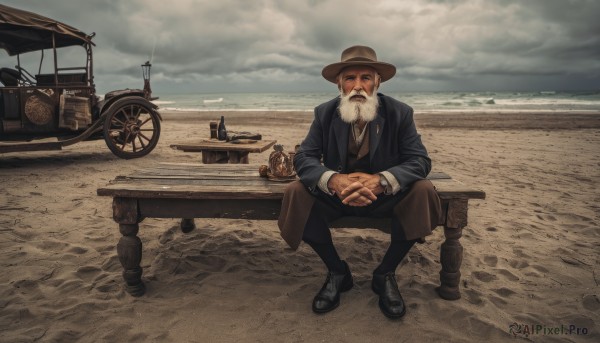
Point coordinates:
[(55, 60), (41, 61), (90, 68)]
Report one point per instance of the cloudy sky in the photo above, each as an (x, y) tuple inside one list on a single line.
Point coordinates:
[(213, 46)]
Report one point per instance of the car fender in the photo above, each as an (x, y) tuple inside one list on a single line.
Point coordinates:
[(105, 105)]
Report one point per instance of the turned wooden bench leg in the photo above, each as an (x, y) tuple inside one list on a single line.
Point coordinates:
[(187, 225), (451, 254), (451, 251), (129, 248)]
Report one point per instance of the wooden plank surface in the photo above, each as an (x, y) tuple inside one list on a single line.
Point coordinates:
[(202, 181), (215, 171), (452, 189), (216, 145)]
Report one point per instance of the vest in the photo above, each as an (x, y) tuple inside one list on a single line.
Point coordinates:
[(358, 156)]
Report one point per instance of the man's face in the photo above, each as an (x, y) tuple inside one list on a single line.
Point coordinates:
[(360, 79), (357, 99)]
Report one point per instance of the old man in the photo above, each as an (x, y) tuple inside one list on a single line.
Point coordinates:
[(361, 157)]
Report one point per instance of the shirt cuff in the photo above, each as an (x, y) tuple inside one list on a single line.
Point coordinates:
[(324, 180), (393, 186)]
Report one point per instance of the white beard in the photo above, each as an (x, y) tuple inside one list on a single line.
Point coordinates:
[(351, 111)]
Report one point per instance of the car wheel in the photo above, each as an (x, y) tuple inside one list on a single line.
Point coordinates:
[(131, 128)]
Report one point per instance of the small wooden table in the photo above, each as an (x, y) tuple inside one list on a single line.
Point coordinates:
[(180, 190), (216, 151)]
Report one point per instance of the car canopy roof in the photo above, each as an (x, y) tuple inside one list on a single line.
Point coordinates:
[(22, 31)]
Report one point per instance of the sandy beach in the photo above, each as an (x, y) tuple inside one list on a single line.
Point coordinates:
[(531, 249)]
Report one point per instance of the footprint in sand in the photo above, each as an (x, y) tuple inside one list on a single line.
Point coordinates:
[(504, 292), (591, 302), (540, 268), (78, 250), (548, 217), (87, 273), (490, 260), (518, 264), (473, 297), (108, 285), (484, 276), (505, 273)]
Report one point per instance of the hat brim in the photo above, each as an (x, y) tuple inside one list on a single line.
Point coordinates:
[(385, 70)]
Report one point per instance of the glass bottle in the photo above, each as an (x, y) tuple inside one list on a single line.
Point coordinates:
[(221, 130)]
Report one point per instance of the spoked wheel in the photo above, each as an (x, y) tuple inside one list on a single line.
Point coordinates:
[(131, 128)]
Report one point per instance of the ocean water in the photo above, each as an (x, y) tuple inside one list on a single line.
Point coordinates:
[(420, 101)]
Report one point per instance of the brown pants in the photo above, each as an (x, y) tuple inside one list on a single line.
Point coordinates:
[(416, 210)]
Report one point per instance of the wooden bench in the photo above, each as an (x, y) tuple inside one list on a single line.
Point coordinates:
[(179, 190)]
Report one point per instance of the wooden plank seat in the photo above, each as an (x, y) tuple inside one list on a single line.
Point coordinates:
[(181, 190)]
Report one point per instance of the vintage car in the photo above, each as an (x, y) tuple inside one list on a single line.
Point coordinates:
[(58, 105)]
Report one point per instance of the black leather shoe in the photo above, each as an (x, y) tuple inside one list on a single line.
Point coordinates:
[(390, 300), (328, 297)]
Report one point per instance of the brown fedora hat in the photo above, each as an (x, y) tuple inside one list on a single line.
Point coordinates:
[(359, 55)]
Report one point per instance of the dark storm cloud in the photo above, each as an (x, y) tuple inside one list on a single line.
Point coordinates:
[(282, 45)]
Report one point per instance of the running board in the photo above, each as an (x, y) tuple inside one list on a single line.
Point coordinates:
[(6, 148), (44, 146)]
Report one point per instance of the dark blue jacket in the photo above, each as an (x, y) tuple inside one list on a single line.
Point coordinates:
[(394, 144)]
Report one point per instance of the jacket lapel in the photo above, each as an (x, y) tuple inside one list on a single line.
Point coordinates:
[(341, 131), (375, 132)]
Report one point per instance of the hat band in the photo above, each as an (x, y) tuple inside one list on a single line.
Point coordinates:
[(360, 59)]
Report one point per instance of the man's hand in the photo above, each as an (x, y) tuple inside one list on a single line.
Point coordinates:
[(337, 183), (351, 191), (371, 181), (357, 195)]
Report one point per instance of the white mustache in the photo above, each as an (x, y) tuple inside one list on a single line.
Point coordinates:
[(355, 93)]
